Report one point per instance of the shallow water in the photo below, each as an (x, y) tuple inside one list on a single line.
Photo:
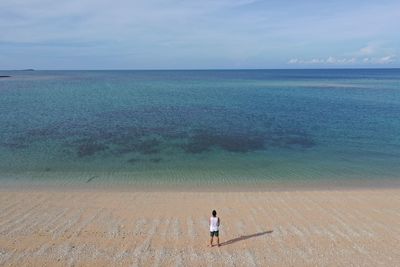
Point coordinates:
[(239, 126)]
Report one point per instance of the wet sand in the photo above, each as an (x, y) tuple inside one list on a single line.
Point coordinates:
[(283, 228)]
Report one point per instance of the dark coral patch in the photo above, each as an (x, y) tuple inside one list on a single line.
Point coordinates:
[(204, 141), (133, 160), (46, 132), (197, 145), (303, 142), (149, 146), (155, 160), (124, 149), (291, 139), (90, 148), (15, 144), (240, 143)]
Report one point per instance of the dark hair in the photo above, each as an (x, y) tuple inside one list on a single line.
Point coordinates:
[(214, 213)]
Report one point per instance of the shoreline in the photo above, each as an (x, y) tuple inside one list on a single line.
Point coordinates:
[(187, 189), (199, 186)]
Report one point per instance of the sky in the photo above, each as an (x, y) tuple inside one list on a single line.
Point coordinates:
[(199, 34)]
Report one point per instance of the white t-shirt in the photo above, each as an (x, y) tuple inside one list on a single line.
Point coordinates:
[(214, 225)]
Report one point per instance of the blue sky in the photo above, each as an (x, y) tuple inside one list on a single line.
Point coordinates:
[(178, 34)]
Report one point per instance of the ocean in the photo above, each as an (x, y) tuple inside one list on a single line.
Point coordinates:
[(201, 127)]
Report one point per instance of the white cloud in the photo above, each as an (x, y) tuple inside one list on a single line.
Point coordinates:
[(380, 60), (316, 61), (310, 61), (345, 61), (386, 59), (329, 61)]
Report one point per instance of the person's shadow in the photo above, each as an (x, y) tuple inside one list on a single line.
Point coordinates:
[(244, 237)]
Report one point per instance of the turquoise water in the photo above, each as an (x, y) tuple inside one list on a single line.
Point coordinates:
[(233, 126)]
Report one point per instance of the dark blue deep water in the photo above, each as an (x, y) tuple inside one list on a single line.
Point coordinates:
[(214, 126)]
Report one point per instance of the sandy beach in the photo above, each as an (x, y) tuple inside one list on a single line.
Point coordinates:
[(50, 227)]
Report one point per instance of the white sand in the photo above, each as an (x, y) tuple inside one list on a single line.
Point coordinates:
[(296, 228)]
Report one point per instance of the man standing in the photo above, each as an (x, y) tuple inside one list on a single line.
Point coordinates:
[(214, 227)]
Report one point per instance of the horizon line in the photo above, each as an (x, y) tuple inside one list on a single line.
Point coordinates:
[(203, 69)]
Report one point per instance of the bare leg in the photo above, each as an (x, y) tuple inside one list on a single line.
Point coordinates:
[(218, 240), (211, 241)]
